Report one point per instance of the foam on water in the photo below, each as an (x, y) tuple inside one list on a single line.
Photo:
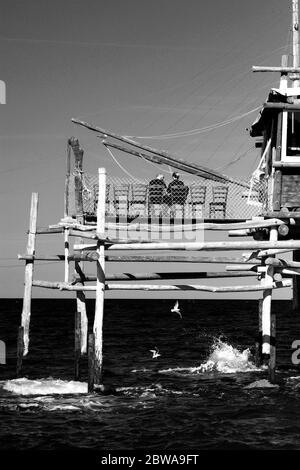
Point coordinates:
[(223, 358), (227, 359), (47, 386)]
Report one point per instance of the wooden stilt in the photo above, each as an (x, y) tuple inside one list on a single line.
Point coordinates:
[(77, 344), (67, 252), (266, 312), (26, 312), (258, 344), (100, 287), (272, 363), (91, 362), (81, 307), (296, 283), (20, 350)]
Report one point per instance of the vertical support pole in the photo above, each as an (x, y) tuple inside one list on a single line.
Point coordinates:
[(296, 61), (81, 307), (77, 344), (91, 362), (78, 154), (296, 283), (99, 308), (67, 182), (258, 345), (26, 312), (20, 350), (284, 76), (272, 363), (67, 252), (268, 337)]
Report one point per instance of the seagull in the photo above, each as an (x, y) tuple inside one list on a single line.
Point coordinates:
[(176, 309), (155, 353)]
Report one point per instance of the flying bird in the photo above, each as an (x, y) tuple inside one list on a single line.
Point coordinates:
[(176, 309), (155, 353)]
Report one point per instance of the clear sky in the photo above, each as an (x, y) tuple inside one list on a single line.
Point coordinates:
[(137, 67)]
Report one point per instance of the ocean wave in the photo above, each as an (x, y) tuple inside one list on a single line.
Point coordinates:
[(48, 386)]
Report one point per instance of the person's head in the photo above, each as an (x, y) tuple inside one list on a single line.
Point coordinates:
[(175, 175), (160, 177)]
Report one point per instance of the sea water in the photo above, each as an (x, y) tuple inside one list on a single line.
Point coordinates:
[(204, 391)]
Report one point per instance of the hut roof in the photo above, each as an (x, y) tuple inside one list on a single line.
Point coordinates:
[(287, 96)]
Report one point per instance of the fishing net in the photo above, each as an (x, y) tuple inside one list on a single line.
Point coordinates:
[(192, 197)]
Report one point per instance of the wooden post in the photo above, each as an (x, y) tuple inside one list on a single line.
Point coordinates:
[(258, 344), (81, 307), (272, 363), (20, 350), (268, 354), (77, 344), (26, 312), (78, 154), (296, 283), (67, 252), (296, 60), (99, 308), (67, 182), (91, 362), (284, 76)]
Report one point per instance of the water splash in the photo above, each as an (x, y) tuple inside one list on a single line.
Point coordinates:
[(223, 358), (47, 386), (227, 359)]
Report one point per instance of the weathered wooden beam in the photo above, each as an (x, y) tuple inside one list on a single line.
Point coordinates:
[(78, 154), (67, 181), (266, 253), (177, 259), (26, 311), (100, 283), (163, 156), (209, 246), (73, 224), (262, 68), (164, 287), (84, 256), (195, 287), (168, 275), (284, 76), (61, 286), (282, 106), (296, 281), (81, 307), (67, 254), (91, 362), (49, 230), (266, 280), (20, 350), (242, 267), (77, 345), (285, 272), (249, 224), (286, 165), (258, 343), (285, 215)]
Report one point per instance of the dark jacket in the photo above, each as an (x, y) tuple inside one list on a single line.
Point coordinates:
[(157, 189)]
